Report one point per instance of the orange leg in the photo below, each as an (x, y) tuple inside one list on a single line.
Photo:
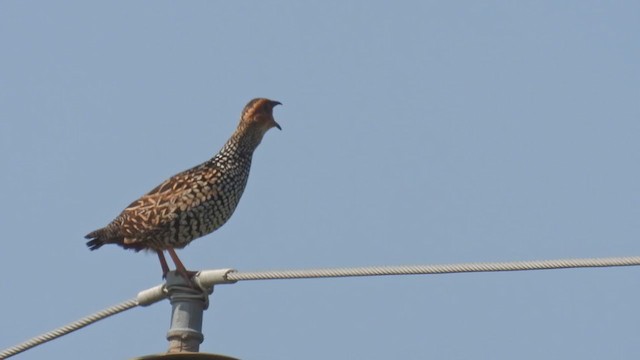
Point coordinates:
[(163, 263), (180, 266)]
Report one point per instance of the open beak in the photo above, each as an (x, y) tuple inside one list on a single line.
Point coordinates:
[(274, 104)]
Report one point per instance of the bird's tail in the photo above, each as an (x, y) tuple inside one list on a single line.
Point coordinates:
[(98, 238)]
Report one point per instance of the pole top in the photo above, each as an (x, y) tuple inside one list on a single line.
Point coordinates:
[(185, 356)]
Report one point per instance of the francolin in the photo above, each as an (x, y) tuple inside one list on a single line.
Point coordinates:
[(195, 202)]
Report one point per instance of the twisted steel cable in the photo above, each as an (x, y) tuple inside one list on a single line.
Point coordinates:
[(64, 330), (208, 278), (434, 269)]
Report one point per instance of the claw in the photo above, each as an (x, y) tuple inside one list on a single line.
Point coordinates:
[(181, 269)]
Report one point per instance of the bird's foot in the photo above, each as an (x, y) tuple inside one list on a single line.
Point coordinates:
[(188, 276)]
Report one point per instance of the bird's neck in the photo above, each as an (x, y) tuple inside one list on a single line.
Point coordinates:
[(244, 141)]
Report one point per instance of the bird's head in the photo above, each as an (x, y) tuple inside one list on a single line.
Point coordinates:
[(258, 113)]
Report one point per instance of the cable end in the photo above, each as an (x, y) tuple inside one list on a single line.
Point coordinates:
[(152, 295), (206, 279)]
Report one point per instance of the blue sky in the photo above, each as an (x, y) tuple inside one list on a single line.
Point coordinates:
[(414, 132)]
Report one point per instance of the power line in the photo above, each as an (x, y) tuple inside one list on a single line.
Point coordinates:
[(64, 330), (144, 298), (206, 279), (434, 269)]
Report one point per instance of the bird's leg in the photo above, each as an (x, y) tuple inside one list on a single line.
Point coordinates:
[(163, 263), (180, 266)]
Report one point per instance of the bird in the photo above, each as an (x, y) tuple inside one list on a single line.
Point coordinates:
[(192, 203)]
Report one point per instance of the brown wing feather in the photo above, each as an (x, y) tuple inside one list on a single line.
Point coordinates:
[(156, 211)]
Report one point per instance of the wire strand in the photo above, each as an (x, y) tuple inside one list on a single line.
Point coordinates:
[(434, 269), (64, 330), (155, 294)]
